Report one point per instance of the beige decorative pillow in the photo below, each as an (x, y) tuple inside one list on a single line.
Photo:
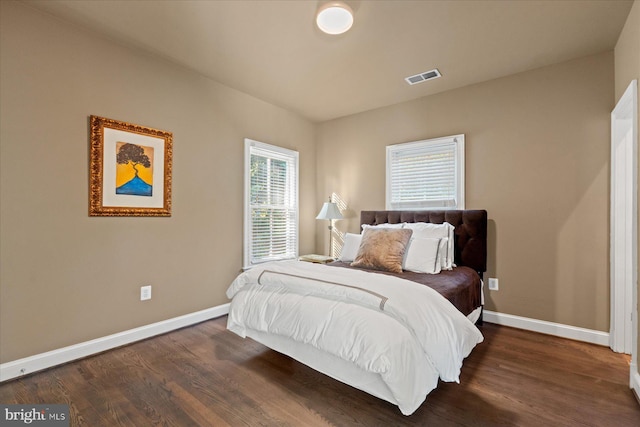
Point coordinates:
[(382, 249)]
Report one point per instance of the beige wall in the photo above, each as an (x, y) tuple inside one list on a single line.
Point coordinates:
[(537, 158), (66, 277), (627, 68)]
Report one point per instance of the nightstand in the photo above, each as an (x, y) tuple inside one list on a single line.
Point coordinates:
[(318, 259)]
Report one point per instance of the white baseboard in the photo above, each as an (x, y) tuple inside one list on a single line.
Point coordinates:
[(52, 358), (635, 380), (549, 328)]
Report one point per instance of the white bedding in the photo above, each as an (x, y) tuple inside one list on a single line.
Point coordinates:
[(405, 333)]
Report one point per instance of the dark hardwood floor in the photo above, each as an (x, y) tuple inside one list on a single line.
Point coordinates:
[(205, 375)]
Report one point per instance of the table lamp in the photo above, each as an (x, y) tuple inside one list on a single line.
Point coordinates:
[(330, 212)]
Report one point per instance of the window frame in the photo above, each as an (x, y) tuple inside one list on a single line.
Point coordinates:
[(459, 173), (278, 153)]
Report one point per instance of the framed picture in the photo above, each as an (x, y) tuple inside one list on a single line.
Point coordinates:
[(130, 169)]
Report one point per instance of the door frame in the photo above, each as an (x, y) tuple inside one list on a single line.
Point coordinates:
[(624, 221)]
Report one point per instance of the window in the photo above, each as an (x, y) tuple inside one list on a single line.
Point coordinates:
[(426, 174), (271, 203)]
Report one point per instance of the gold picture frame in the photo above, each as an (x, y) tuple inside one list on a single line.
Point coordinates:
[(129, 170)]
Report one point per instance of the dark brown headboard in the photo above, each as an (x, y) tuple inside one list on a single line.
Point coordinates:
[(470, 230)]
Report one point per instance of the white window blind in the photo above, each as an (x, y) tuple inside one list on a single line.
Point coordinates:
[(271, 203), (426, 174)]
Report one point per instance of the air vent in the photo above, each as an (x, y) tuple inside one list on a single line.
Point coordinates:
[(423, 77)]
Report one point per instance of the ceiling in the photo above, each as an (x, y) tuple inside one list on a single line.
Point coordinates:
[(272, 50)]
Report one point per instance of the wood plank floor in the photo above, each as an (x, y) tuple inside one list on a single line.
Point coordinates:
[(205, 375)]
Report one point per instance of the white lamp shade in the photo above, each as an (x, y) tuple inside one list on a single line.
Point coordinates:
[(329, 211), (334, 18)]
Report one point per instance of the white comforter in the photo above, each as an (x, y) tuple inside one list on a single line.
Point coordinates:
[(407, 333)]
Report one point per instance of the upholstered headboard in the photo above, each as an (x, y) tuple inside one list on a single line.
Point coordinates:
[(470, 230)]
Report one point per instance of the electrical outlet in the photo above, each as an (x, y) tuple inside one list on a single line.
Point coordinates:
[(145, 293), (493, 284)]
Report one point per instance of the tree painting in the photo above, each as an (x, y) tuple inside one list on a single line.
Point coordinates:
[(134, 169)]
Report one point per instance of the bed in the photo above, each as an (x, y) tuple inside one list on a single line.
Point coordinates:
[(460, 286), (391, 334)]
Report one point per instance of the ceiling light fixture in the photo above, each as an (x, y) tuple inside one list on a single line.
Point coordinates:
[(334, 17)]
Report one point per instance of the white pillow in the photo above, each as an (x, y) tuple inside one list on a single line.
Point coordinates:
[(423, 255), (350, 247), (385, 225), (436, 231), (443, 252)]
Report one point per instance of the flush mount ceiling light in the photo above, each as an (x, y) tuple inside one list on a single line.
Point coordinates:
[(334, 17)]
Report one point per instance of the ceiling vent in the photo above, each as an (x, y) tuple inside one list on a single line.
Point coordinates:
[(423, 77)]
